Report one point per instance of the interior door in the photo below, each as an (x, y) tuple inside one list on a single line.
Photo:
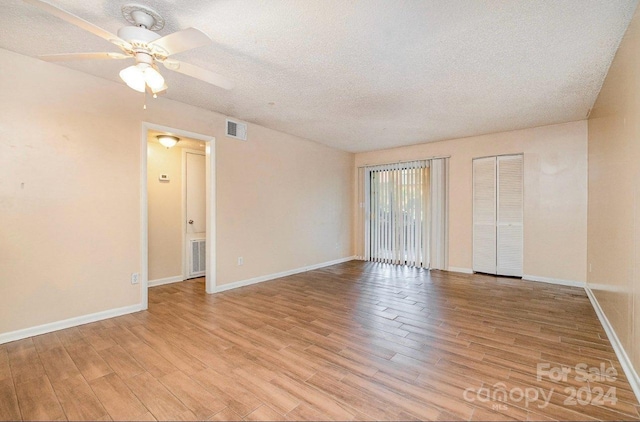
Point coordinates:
[(195, 207)]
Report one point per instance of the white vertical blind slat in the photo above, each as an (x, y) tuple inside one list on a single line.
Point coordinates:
[(402, 232), (378, 218), (411, 216), (415, 216), (362, 229), (375, 221), (420, 217), (397, 193), (417, 221), (426, 230), (387, 228), (374, 215)]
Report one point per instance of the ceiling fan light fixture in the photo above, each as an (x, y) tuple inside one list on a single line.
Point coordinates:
[(141, 74), (153, 78), (168, 141), (162, 89), (133, 77)]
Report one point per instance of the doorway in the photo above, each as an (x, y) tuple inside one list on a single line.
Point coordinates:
[(208, 246), (194, 226)]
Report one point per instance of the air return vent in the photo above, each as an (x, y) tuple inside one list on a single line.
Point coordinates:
[(236, 129), (198, 258)]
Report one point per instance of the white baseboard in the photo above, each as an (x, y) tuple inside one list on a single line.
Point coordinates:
[(607, 288), (167, 280), (460, 270), (268, 277), (67, 323), (625, 362), (570, 283)]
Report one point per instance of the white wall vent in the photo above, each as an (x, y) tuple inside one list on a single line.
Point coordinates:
[(236, 129), (198, 257)]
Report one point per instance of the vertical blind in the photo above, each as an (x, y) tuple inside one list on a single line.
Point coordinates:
[(402, 205), (398, 209)]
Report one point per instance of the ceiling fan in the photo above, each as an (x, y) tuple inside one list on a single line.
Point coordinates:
[(140, 42)]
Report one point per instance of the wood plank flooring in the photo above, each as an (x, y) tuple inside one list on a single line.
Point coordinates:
[(355, 341)]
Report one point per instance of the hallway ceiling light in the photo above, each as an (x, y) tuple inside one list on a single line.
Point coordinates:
[(168, 140)]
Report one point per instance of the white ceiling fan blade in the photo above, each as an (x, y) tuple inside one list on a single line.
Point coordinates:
[(82, 56), (180, 41), (198, 73), (77, 21)]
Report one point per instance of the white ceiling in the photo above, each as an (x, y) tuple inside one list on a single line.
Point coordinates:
[(370, 74)]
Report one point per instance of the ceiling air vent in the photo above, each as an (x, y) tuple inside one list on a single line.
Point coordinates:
[(236, 129)]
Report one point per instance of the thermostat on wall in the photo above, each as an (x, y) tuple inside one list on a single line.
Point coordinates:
[(164, 178)]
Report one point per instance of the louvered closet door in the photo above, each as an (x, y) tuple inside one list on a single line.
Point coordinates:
[(510, 215), (484, 215)]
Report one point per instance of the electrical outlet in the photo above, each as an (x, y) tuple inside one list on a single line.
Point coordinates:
[(240, 260), (135, 278), (589, 266)]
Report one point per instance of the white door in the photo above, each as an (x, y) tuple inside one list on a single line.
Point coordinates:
[(498, 215), (484, 215), (195, 212), (509, 216)]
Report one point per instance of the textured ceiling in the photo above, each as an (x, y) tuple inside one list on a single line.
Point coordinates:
[(364, 75)]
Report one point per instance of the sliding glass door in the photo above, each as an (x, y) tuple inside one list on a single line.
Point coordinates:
[(398, 218), (404, 213)]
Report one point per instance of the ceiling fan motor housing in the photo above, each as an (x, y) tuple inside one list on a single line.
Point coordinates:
[(142, 16), (136, 33)]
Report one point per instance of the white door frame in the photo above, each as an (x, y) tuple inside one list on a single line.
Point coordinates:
[(210, 186)]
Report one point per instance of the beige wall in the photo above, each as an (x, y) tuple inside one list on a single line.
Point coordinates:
[(70, 194), (289, 204), (164, 211), (614, 194), (555, 193)]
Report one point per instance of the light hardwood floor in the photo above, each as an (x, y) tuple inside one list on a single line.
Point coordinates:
[(352, 341)]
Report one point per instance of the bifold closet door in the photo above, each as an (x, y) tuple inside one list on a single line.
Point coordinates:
[(510, 215), (484, 215), (498, 215)]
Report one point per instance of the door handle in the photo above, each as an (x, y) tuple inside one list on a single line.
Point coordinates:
[(190, 221)]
